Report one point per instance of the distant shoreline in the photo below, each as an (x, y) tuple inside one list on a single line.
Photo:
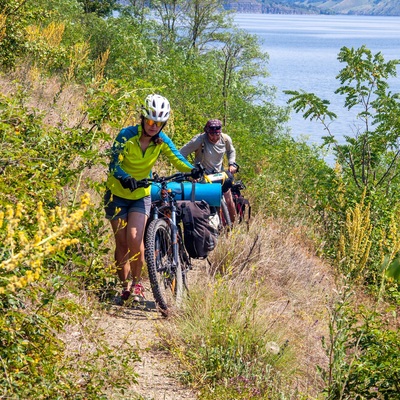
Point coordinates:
[(384, 8), (320, 14)]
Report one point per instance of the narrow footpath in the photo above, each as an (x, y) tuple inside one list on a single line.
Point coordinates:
[(135, 327)]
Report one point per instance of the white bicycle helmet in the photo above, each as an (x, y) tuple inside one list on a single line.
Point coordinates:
[(156, 107)]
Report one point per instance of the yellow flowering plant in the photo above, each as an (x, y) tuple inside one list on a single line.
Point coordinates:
[(25, 249)]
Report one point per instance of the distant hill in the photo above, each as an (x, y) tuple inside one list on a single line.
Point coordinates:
[(349, 7)]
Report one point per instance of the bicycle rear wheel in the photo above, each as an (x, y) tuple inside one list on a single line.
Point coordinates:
[(225, 217), (165, 275)]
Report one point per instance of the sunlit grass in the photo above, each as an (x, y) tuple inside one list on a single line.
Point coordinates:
[(253, 323)]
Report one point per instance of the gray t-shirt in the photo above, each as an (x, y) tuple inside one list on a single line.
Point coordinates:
[(210, 155)]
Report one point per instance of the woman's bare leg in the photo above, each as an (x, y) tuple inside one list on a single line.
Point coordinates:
[(135, 233), (121, 254)]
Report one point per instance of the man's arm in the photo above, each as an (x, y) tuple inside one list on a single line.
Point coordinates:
[(191, 146), (231, 154)]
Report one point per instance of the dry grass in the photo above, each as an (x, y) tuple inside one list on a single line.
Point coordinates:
[(294, 289), (61, 105)]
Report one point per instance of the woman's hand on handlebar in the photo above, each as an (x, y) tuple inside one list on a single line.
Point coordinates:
[(132, 184), (129, 183)]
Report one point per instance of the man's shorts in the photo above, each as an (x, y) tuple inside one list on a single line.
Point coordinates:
[(118, 207)]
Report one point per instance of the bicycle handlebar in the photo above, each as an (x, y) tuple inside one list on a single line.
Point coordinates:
[(161, 179), (178, 177)]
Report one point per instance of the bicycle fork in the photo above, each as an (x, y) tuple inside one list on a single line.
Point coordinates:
[(174, 238)]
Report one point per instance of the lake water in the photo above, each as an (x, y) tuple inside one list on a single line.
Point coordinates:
[(303, 53)]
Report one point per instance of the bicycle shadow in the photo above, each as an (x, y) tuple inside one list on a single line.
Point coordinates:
[(136, 310)]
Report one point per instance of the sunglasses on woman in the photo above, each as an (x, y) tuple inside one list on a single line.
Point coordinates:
[(150, 122)]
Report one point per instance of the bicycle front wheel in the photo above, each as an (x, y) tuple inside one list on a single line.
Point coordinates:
[(165, 273)]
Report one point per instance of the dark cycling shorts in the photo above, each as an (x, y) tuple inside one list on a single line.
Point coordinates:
[(228, 182), (118, 207)]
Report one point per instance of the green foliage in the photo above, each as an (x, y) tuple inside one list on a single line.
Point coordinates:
[(342, 319), (376, 369), (38, 277), (280, 184), (28, 347), (102, 8), (38, 161), (363, 353), (192, 24), (117, 61), (369, 160), (48, 256), (109, 103), (314, 107), (16, 16), (364, 83), (393, 270)]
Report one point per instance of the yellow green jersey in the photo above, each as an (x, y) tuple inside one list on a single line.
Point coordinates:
[(128, 160)]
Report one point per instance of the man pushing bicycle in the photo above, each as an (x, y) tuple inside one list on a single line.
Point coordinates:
[(209, 148)]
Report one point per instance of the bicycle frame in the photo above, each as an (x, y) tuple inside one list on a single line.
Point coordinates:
[(164, 248)]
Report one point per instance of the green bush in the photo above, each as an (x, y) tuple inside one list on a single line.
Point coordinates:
[(363, 350)]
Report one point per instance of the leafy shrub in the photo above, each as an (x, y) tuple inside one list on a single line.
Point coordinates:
[(363, 350), (35, 310), (52, 250), (368, 161)]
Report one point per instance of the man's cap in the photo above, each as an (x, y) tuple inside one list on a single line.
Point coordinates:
[(213, 123)]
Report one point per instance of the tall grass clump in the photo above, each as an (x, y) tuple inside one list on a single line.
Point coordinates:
[(235, 355), (243, 333)]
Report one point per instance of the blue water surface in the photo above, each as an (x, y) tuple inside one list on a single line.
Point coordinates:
[(303, 53)]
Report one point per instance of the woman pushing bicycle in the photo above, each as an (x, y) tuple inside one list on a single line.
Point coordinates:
[(127, 205), (210, 148)]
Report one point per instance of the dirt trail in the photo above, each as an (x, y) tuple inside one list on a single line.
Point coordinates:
[(136, 327)]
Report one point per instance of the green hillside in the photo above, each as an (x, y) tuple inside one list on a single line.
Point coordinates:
[(349, 7), (358, 7)]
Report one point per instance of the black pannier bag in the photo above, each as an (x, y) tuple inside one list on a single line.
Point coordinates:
[(241, 203), (199, 236)]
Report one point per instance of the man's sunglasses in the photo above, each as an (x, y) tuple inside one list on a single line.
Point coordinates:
[(150, 122), (214, 128)]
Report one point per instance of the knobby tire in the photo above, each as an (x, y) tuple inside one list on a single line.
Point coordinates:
[(166, 281), (226, 219)]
